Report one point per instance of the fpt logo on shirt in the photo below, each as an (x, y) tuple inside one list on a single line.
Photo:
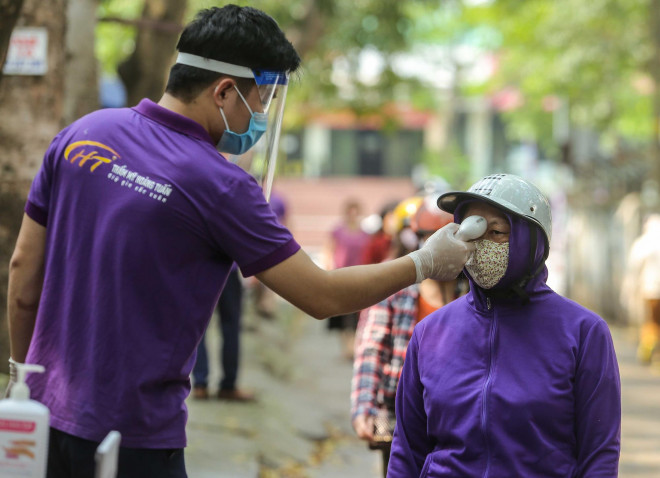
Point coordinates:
[(90, 153)]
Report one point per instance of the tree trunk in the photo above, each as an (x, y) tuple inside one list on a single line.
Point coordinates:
[(309, 30), (144, 73), (32, 106), (10, 9), (81, 91), (31, 111)]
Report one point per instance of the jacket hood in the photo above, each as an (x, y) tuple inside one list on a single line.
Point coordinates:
[(526, 272)]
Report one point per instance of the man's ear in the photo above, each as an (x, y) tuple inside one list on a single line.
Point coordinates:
[(221, 90)]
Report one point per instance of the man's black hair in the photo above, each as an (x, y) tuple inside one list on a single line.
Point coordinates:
[(243, 36)]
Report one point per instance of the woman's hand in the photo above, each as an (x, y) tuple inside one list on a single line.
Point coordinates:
[(364, 427)]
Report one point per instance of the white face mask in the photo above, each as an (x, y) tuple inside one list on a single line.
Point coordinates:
[(488, 263)]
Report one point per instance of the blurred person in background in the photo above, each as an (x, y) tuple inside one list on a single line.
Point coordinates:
[(229, 311), (345, 248), (404, 240), (383, 335), (380, 242), (642, 283), (144, 218), (511, 379)]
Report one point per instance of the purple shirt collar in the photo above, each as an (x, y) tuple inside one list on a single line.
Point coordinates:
[(173, 120)]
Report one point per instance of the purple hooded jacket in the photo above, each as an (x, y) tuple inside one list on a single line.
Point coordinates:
[(497, 386)]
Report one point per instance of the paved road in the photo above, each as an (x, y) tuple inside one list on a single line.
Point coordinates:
[(300, 427), (640, 428)]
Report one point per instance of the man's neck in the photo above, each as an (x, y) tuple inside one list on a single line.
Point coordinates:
[(190, 110)]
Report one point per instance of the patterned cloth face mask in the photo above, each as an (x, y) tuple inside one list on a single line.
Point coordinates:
[(488, 263)]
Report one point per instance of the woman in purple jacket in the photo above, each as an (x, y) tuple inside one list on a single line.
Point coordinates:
[(511, 379)]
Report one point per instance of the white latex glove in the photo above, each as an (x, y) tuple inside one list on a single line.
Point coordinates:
[(442, 256), (12, 376)]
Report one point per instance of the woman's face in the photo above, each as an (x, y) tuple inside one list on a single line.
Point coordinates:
[(352, 212), (498, 228)]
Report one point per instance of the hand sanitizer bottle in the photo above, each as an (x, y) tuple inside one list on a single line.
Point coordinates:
[(24, 430)]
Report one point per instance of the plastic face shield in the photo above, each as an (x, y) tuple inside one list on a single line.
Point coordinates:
[(261, 160)]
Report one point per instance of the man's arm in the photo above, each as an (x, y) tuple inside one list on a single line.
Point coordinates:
[(322, 293), (26, 270)]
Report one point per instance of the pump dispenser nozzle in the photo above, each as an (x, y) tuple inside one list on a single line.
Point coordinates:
[(20, 390)]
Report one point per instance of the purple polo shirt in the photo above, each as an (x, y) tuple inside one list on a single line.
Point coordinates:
[(144, 219)]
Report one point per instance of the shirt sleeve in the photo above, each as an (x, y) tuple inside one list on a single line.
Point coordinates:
[(38, 201), (245, 227), (598, 405), (411, 444), (372, 345)]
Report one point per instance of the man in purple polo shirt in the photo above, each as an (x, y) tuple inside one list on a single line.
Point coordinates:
[(130, 230)]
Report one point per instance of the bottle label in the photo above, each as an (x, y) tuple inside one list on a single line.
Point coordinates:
[(18, 448), (17, 426)]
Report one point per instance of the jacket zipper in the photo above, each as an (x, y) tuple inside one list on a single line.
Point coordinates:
[(487, 384)]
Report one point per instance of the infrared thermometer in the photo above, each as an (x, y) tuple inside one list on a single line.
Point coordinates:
[(471, 228)]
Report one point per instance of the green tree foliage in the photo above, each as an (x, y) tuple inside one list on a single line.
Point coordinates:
[(595, 55), (324, 32), (116, 41)]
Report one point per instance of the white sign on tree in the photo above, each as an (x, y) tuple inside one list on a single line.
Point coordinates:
[(28, 52)]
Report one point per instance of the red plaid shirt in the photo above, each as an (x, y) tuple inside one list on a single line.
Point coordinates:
[(381, 341)]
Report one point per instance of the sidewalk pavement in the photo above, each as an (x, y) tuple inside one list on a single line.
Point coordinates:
[(640, 397), (300, 427)]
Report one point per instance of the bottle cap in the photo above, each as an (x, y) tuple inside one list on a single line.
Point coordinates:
[(20, 390)]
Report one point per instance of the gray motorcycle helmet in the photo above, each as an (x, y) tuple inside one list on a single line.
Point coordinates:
[(510, 192)]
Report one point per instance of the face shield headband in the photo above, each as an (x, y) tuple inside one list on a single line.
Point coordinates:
[(272, 87)]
